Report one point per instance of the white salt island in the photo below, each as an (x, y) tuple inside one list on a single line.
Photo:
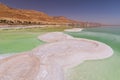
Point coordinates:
[(73, 30), (48, 61)]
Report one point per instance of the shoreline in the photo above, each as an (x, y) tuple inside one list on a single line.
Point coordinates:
[(73, 30), (2, 56), (56, 56)]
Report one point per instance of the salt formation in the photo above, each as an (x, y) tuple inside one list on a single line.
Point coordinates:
[(54, 36), (48, 61), (74, 30), (19, 67)]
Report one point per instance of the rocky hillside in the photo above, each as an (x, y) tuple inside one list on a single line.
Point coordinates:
[(12, 16), (19, 16)]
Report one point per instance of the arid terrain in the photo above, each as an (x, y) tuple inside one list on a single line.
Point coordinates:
[(12, 16)]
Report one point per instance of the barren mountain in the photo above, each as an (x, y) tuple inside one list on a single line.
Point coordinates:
[(19, 16), (12, 16)]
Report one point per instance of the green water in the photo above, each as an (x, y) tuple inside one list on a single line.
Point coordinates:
[(107, 69), (13, 41)]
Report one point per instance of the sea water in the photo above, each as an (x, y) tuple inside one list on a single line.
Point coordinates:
[(106, 69)]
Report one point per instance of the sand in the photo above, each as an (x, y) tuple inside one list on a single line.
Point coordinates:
[(49, 61)]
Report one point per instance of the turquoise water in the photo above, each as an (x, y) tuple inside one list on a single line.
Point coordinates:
[(15, 42), (106, 69)]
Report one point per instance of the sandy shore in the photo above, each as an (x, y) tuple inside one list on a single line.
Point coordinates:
[(48, 61)]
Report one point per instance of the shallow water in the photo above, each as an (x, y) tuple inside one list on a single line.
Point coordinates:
[(106, 69), (13, 42)]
